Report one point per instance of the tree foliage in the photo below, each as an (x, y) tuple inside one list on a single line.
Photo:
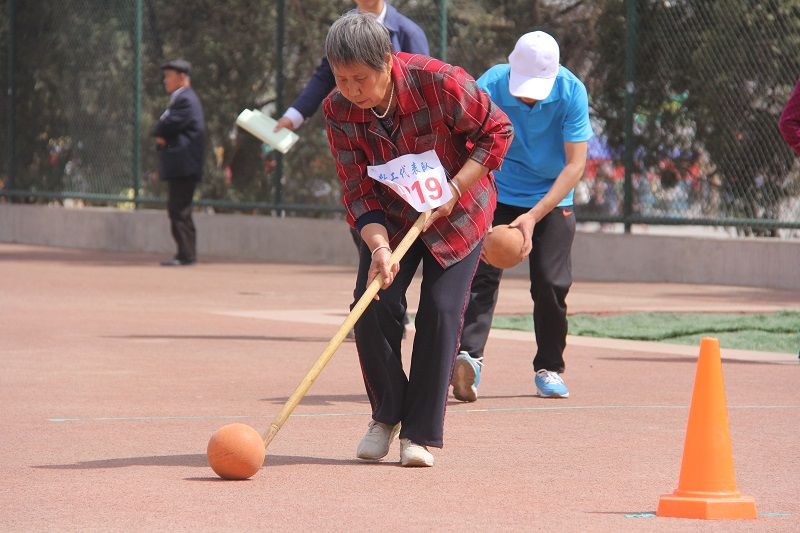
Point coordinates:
[(710, 82), (711, 78)]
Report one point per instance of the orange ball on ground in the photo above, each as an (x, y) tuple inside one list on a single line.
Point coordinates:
[(235, 451), (502, 247)]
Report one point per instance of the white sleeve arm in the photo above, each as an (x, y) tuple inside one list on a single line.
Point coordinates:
[(295, 116)]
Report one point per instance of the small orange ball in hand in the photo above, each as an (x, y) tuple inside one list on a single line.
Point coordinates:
[(235, 451), (502, 248)]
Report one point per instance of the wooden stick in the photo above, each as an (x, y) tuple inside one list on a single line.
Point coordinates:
[(340, 335)]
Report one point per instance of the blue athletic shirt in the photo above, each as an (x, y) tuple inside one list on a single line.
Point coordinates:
[(537, 155)]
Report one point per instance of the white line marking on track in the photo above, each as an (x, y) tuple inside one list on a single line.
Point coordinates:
[(449, 411)]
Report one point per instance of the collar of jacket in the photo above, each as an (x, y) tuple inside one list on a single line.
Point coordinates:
[(390, 21), (409, 99)]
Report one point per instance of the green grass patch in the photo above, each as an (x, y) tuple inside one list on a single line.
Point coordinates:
[(767, 332)]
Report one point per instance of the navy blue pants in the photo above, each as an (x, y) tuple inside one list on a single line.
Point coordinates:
[(419, 400), (179, 207), (551, 277)]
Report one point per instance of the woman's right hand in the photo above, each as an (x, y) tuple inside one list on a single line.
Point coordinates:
[(380, 265)]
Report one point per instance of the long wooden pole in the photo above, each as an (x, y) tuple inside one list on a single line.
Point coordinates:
[(340, 335)]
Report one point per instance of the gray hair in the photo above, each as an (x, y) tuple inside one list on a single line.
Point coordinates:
[(358, 38)]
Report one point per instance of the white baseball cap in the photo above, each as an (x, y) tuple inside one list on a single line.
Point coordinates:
[(534, 66)]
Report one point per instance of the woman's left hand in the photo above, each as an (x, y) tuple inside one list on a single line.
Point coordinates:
[(442, 210), (381, 266)]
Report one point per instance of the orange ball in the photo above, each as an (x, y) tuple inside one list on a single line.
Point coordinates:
[(503, 246), (235, 451)]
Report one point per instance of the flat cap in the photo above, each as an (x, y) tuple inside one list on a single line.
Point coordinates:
[(180, 65)]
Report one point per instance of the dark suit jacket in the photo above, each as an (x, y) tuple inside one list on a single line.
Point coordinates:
[(183, 127), (406, 37)]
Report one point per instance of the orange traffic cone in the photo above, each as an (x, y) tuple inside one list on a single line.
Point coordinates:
[(707, 486)]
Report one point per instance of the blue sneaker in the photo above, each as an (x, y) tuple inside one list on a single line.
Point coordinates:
[(550, 385), (466, 377)]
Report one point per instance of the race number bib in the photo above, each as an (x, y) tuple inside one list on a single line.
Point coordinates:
[(418, 178)]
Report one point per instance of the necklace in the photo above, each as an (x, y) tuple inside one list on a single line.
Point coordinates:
[(388, 107)]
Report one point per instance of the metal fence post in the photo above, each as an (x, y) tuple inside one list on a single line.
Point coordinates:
[(11, 95), (630, 89), (137, 102), (279, 82)]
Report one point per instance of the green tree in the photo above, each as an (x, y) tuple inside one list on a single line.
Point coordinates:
[(711, 78), (744, 70), (73, 109)]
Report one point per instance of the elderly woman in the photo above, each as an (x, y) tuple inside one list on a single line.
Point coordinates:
[(387, 105)]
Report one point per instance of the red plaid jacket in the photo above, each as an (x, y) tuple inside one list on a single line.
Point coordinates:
[(790, 120), (440, 107)]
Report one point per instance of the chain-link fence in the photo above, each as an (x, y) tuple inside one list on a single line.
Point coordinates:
[(685, 96), (68, 120), (703, 145)]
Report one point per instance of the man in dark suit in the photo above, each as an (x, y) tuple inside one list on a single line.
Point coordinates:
[(405, 34), (180, 139)]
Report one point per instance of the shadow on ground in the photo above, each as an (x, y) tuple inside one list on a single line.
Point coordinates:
[(262, 338), (122, 462), (690, 360), (333, 399), (86, 257), (197, 460), (322, 399)]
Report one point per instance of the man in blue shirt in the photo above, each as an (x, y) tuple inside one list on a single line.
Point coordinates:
[(548, 106)]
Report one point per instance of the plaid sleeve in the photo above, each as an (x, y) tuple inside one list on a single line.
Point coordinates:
[(790, 121), (474, 114), (358, 195)]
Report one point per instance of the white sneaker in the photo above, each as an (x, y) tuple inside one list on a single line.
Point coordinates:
[(375, 444), (413, 454)]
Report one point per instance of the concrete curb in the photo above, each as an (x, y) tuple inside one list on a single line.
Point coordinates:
[(755, 262)]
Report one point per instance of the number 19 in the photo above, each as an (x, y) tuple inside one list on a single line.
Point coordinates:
[(434, 189)]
